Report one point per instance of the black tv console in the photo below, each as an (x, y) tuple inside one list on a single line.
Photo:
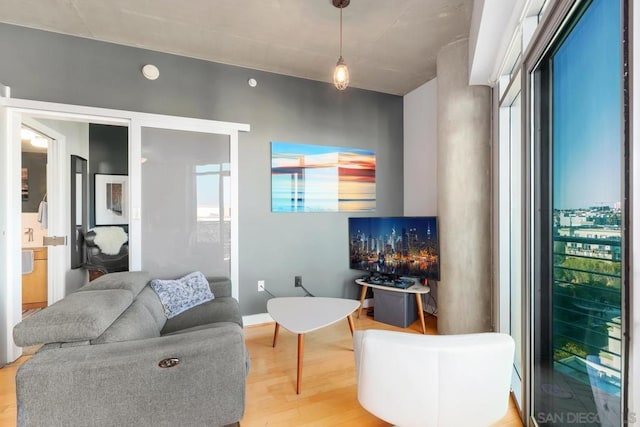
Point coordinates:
[(385, 280)]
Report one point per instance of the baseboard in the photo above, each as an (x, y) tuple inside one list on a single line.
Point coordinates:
[(256, 319)]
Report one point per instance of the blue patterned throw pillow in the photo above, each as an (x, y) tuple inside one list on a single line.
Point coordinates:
[(182, 294)]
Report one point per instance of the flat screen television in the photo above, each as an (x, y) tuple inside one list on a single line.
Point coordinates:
[(395, 246)]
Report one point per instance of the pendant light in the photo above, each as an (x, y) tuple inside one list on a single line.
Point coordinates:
[(341, 73)]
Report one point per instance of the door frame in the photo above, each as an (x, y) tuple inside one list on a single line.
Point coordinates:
[(506, 233), (56, 256), (11, 110)]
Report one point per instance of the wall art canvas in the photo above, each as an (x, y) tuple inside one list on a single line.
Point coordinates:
[(318, 178), (111, 198)]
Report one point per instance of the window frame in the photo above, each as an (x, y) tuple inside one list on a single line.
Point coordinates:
[(558, 15)]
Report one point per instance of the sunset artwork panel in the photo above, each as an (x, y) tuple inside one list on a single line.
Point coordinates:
[(319, 178)]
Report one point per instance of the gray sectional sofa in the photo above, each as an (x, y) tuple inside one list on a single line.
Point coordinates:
[(112, 358)]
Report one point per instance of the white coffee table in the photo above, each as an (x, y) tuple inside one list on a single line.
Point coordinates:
[(301, 315)]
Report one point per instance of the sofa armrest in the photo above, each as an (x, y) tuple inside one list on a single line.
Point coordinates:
[(220, 286), (122, 383)]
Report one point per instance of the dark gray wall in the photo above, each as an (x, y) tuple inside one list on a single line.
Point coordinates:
[(36, 164), (108, 154), (273, 247)]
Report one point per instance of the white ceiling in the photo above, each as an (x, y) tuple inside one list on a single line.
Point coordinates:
[(389, 45)]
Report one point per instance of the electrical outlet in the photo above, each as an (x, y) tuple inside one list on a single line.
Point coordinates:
[(298, 282), (260, 285)]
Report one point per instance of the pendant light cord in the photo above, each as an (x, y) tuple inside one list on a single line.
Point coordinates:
[(340, 30)]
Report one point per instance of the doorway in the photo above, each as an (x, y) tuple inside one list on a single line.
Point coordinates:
[(34, 149), (77, 140)]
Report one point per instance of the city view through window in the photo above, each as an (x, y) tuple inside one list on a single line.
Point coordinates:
[(586, 197)]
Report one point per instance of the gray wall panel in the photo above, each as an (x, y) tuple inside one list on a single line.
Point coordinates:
[(273, 247)]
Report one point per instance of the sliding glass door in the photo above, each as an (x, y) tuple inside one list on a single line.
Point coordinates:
[(579, 237), (186, 202)]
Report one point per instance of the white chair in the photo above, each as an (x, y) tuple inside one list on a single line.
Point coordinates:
[(434, 380)]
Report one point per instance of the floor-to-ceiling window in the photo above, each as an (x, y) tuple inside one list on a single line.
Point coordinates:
[(578, 213)]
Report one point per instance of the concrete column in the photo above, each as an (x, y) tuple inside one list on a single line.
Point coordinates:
[(464, 196)]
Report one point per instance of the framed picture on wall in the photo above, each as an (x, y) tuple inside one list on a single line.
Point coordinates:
[(112, 199)]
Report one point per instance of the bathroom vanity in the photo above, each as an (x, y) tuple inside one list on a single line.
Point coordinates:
[(34, 284)]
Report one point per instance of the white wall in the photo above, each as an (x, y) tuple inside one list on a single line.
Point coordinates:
[(6, 245), (421, 160), (421, 150)]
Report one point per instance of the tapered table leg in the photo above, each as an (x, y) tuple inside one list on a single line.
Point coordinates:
[(301, 315), (275, 334), (363, 292), (421, 312), (300, 354), (351, 325)]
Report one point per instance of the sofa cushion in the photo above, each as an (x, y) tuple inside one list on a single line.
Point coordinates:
[(182, 294), (224, 309), (133, 281), (80, 316), (200, 327), (134, 324)]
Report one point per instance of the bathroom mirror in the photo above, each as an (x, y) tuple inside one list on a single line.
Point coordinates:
[(79, 210)]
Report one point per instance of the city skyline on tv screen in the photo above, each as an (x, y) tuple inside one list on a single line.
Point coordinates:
[(399, 246)]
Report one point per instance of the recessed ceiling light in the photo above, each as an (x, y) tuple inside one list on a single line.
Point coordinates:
[(252, 82), (150, 71)]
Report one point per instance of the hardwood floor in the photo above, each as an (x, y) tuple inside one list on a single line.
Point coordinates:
[(8, 393), (328, 396)]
